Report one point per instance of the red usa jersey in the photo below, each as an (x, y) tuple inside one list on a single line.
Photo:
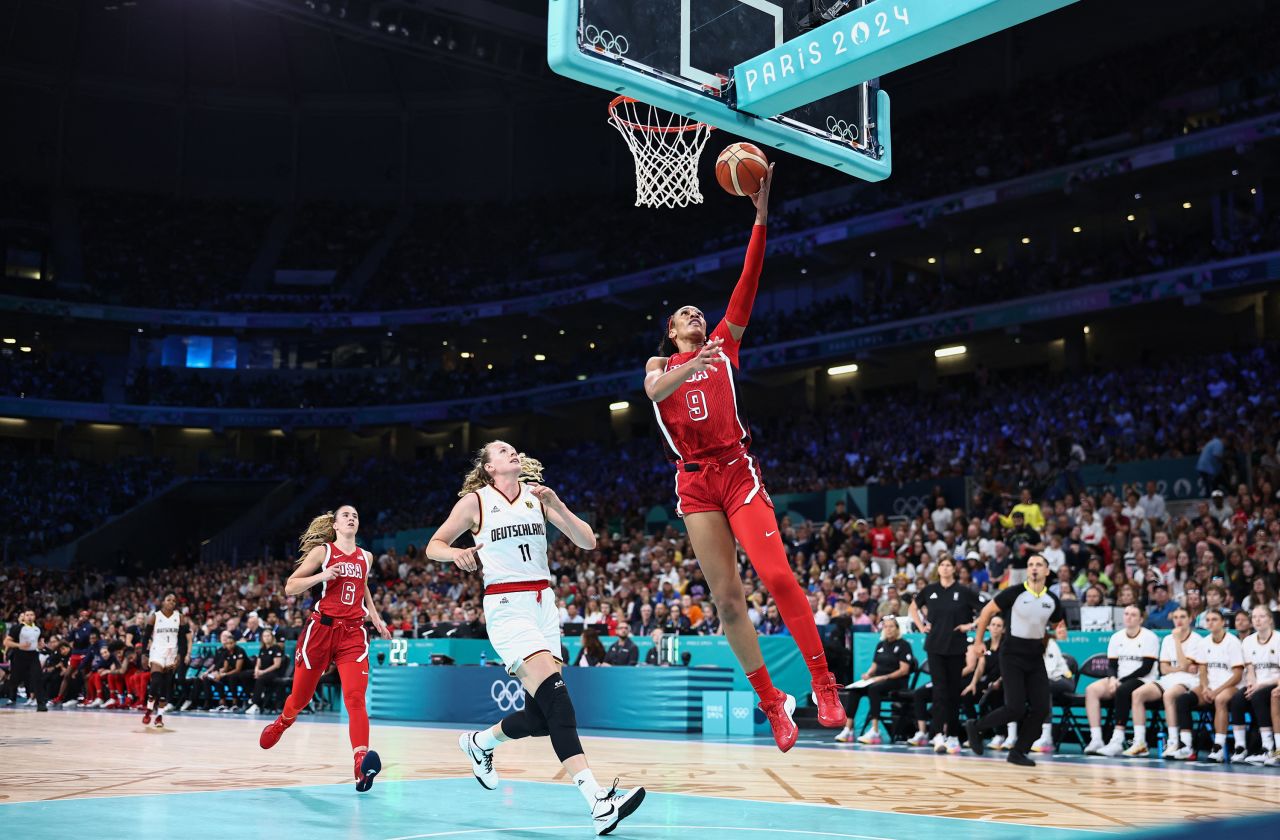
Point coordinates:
[(700, 419), (343, 597)]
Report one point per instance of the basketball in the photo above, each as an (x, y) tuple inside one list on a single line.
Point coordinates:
[(740, 168)]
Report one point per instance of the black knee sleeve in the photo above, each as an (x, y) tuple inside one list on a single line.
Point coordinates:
[(552, 698), (526, 723)]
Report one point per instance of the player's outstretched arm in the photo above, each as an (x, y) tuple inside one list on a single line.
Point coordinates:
[(464, 517), (744, 293)]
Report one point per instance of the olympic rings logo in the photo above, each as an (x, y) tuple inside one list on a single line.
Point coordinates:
[(605, 40), (739, 712), (508, 695), (840, 128), (909, 505)]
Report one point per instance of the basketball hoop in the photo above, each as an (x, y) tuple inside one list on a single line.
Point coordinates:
[(666, 148)]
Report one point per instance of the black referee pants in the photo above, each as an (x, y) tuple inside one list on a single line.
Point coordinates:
[(946, 668), (24, 667), (1027, 699)]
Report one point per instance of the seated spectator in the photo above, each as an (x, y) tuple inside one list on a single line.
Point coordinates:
[(623, 651)]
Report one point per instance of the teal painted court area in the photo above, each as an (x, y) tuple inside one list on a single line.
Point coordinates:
[(460, 808)]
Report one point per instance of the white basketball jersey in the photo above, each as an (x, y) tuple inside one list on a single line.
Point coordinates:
[(513, 533), (164, 635)]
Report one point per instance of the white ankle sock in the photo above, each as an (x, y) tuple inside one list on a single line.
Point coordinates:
[(1046, 731), (485, 739), (1139, 734), (1173, 735), (1185, 735), (1219, 739), (1095, 734), (1268, 739), (1117, 736), (587, 786), (1239, 733), (1013, 732)]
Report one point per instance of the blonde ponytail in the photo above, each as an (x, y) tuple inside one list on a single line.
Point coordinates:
[(319, 532), (530, 470)]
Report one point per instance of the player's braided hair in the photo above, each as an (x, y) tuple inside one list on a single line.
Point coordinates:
[(319, 532), (530, 470)]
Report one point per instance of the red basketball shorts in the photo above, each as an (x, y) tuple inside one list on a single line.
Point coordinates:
[(339, 642), (724, 484)]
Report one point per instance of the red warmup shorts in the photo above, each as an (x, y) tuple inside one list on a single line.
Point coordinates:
[(340, 642), (725, 484)]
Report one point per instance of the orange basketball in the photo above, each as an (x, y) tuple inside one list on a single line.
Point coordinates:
[(740, 168)]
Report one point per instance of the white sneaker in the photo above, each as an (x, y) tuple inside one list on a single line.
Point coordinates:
[(97, 702), (613, 806), (1273, 760), (187, 705), (110, 703), (996, 743), (1138, 749), (919, 739), (1219, 753), (1042, 745), (939, 740), (1184, 753), (1170, 751), (31, 701), (1239, 754), (253, 709), (1257, 759), (953, 746), (71, 704), (481, 761), (168, 707), (1113, 748), (221, 709), (1094, 747), (845, 735)]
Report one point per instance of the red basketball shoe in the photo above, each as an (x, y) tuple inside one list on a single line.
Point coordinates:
[(146, 717), (779, 711), (368, 765), (273, 732), (827, 698)]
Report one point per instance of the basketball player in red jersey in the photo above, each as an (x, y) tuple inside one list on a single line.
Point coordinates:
[(335, 632), (719, 490)]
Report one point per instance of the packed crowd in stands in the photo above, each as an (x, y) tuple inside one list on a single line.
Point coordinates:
[(56, 499), (160, 251), (61, 376)]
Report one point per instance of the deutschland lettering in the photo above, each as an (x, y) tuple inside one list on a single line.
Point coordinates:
[(533, 529)]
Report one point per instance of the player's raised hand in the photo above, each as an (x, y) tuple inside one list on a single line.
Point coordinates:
[(327, 574), (709, 353), (760, 198), (466, 558), (546, 495)]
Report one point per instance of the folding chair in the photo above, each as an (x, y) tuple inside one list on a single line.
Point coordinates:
[(1072, 720)]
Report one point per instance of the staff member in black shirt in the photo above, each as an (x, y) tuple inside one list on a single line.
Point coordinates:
[(890, 667), (23, 644), (950, 610), (624, 651), (268, 672), (1028, 611)]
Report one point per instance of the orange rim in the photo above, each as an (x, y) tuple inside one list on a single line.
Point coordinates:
[(652, 129)]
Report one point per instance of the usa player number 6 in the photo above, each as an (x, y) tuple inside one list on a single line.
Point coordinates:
[(697, 402), (348, 592)]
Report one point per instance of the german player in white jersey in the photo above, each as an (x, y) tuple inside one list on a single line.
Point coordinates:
[(1181, 655), (1132, 653), (1261, 653), (1219, 678), (506, 509), (167, 629)]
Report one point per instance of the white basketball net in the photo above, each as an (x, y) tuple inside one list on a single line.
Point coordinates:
[(666, 148)]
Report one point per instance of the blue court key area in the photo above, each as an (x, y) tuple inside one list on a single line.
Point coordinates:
[(440, 808)]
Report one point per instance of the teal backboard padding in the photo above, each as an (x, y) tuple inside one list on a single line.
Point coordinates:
[(619, 75), (878, 38)]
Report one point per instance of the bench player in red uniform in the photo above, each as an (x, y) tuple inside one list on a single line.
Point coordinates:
[(335, 632), (719, 490)]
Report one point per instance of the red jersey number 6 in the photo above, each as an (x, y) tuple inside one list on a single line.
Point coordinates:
[(697, 402), (348, 592)]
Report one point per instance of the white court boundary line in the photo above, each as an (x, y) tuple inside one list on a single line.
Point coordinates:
[(578, 827)]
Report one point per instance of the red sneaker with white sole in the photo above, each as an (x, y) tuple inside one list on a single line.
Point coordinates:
[(827, 699), (146, 717), (272, 733), (779, 711)]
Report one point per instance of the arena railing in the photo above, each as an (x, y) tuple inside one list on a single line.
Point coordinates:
[(1051, 181), (1188, 282)]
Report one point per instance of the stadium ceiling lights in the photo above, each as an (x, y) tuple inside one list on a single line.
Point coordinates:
[(944, 352), (977, 250), (1186, 205), (11, 341), (539, 357), (25, 349), (1026, 240), (1129, 218), (1086, 329), (621, 405), (932, 260), (1076, 229), (841, 370)]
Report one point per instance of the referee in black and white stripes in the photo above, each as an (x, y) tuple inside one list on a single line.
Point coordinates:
[(23, 644), (1028, 612)]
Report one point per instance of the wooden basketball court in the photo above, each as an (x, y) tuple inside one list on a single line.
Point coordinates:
[(102, 762)]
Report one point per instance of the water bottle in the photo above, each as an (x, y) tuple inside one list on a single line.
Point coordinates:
[(483, 657), (1160, 744), (1226, 750)]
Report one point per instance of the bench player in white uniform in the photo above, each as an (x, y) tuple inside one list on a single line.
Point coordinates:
[(1261, 675), (1181, 655), (1132, 653), (165, 626), (507, 512)]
